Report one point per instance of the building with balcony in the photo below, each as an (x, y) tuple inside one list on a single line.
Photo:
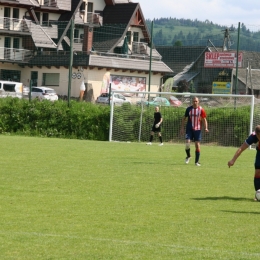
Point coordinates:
[(108, 39)]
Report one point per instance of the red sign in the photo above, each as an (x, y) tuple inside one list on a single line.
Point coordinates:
[(222, 59)]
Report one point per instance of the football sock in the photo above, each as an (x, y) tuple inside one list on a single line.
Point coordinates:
[(187, 152), (151, 138), (257, 183), (197, 156), (160, 139)]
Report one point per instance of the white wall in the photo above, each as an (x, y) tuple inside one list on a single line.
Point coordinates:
[(94, 77)]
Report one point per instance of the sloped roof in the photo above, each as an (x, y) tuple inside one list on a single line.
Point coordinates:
[(243, 76), (253, 57), (128, 63), (116, 21), (57, 59), (107, 36), (64, 4), (68, 15), (119, 13), (40, 36), (184, 75), (178, 57), (29, 2)]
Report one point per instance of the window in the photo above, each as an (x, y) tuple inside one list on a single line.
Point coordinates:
[(10, 75), (7, 12), (16, 13), (76, 33), (82, 7), (136, 37), (6, 20), (9, 87), (38, 15), (90, 7), (128, 35), (16, 43), (37, 90), (50, 79), (34, 78), (45, 19), (7, 42)]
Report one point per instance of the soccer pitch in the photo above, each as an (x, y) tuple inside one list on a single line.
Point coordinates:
[(73, 199)]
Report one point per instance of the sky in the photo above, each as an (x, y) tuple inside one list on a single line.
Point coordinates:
[(222, 12)]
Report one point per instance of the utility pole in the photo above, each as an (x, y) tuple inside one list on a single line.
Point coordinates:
[(150, 63), (226, 40), (71, 57)]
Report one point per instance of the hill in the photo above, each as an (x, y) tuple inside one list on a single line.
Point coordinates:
[(186, 32)]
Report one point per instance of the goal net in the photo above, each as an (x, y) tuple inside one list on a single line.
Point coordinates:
[(231, 118)]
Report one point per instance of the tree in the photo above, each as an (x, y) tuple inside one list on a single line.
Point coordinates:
[(183, 86), (178, 43)]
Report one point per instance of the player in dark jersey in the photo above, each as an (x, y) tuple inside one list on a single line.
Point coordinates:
[(156, 128), (195, 116), (254, 138)]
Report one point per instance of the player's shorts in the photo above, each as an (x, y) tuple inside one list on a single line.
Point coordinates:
[(193, 135), (257, 160), (154, 129)]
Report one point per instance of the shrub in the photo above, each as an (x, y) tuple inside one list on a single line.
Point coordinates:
[(54, 119)]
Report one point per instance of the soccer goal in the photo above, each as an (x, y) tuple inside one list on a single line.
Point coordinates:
[(230, 117)]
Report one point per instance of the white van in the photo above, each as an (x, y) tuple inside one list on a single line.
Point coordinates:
[(11, 88)]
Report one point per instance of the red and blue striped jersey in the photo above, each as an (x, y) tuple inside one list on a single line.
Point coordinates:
[(194, 117)]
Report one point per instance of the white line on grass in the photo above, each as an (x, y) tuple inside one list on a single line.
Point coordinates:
[(128, 242)]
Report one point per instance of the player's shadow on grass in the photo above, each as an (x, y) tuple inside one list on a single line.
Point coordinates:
[(241, 212), (225, 198)]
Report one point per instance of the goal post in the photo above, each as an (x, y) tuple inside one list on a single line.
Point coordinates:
[(230, 117)]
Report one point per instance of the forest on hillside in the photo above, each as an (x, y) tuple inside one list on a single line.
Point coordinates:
[(186, 32)]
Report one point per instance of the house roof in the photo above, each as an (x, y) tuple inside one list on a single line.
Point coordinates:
[(178, 57), (93, 60), (64, 4), (127, 63), (244, 76), (117, 19), (59, 59), (107, 36), (66, 16), (172, 55), (29, 2), (40, 37), (119, 13), (185, 75)]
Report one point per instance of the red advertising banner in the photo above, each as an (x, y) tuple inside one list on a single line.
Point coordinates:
[(222, 59)]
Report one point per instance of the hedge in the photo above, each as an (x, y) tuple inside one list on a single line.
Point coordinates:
[(81, 120)]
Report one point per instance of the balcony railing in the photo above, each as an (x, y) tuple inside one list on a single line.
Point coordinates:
[(14, 24), (12, 54), (139, 48), (93, 18), (78, 40), (50, 3)]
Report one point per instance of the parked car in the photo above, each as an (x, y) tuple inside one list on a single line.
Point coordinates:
[(118, 99), (175, 102), (44, 93), (11, 89), (156, 101)]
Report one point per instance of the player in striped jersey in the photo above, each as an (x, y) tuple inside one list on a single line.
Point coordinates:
[(195, 116)]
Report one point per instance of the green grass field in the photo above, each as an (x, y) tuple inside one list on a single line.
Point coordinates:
[(73, 199)]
